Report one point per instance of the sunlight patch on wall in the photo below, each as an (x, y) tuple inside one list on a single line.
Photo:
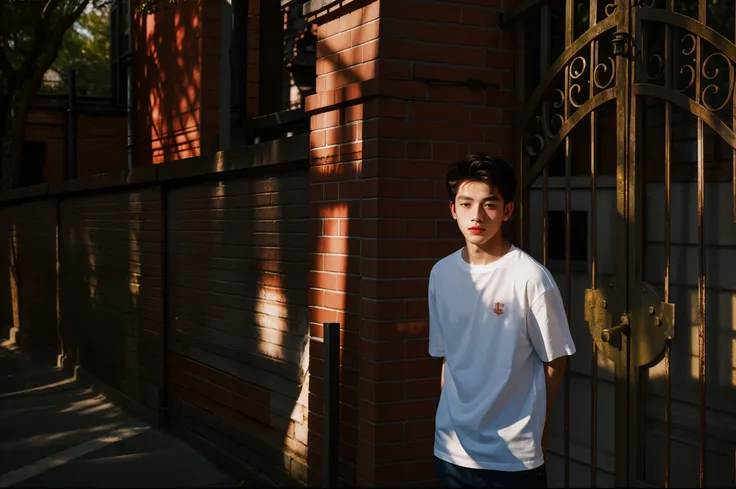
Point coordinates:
[(270, 299), (13, 272), (89, 246), (134, 251), (298, 424)]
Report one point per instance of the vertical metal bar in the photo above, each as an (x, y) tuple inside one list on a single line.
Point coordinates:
[(72, 125), (129, 82), (701, 301), (701, 253), (331, 413), (667, 238), (593, 19), (568, 291), (569, 35), (636, 236), (623, 101), (165, 403), (544, 55), (522, 220)]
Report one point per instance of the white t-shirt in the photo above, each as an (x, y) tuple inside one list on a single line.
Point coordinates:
[(494, 324)]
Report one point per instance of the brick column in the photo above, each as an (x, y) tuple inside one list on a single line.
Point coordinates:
[(211, 14), (404, 88)]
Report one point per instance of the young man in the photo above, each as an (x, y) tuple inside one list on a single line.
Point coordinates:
[(497, 318)]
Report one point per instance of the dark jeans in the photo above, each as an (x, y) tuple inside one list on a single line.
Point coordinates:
[(451, 475)]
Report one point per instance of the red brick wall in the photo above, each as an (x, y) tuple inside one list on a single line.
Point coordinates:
[(102, 144), (111, 289), (176, 75), (47, 125), (382, 137), (101, 141), (237, 313), (28, 261)]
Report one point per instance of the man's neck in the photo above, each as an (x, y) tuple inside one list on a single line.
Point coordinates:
[(487, 254)]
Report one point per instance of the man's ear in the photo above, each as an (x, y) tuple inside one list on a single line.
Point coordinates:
[(452, 210), (508, 211)]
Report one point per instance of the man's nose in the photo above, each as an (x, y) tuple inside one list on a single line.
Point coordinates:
[(478, 214)]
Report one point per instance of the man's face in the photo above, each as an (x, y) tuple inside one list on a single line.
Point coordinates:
[(479, 211)]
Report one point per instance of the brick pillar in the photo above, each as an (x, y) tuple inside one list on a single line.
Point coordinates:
[(211, 13), (393, 108)]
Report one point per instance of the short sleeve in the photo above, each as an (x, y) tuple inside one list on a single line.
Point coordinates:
[(548, 328), (436, 345)]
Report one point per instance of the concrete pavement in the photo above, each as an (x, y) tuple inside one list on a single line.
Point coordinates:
[(56, 432)]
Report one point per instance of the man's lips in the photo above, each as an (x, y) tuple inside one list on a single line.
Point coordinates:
[(476, 230)]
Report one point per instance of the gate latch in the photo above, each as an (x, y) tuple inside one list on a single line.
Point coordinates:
[(645, 327), (622, 328)]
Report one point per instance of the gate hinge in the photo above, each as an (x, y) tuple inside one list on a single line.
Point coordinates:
[(621, 43)]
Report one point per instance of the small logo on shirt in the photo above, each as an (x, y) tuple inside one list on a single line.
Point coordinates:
[(498, 308)]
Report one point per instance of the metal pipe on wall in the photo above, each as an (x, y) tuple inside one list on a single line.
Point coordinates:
[(129, 79), (331, 413), (72, 126)]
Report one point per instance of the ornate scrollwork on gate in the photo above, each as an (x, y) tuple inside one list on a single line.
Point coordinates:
[(693, 56), (712, 74), (563, 98), (610, 9)]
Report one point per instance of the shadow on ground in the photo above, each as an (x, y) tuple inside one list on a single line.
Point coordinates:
[(58, 432)]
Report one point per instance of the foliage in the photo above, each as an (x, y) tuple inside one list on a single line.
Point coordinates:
[(153, 6), (86, 49), (31, 34)]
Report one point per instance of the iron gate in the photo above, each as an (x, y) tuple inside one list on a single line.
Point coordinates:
[(627, 131)]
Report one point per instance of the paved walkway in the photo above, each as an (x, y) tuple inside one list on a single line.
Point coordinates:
[(55, 432)]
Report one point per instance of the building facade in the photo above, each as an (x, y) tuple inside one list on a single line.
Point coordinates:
[(289, 162)]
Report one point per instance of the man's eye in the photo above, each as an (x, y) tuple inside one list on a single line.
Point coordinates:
[(466, 205)]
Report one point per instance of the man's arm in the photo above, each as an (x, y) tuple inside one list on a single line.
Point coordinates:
[(554, 372), (442, 375)]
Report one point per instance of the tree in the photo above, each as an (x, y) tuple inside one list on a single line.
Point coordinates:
[(31, 35), (86, 49)]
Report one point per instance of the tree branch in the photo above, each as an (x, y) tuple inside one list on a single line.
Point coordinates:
[(5, 67)]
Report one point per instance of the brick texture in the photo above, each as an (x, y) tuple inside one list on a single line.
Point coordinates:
[(101, 141), (392, 111), (111, 290), (339, 200), (238, 315), (168, 63), (28, 253)]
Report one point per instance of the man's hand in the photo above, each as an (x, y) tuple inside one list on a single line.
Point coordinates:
[(554, 372)]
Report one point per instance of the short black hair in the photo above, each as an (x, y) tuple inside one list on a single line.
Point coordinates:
[(480, 167)]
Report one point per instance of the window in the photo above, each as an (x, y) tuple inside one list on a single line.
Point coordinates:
[(32, 164), (578, 236), (281, 69)]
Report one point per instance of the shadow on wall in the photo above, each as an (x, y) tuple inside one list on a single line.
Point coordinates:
[(168, 81), (29, 284), (238, 269), (111, 294)]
